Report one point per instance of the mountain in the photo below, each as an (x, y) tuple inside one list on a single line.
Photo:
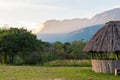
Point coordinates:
[(106, 16), (76, 29), (52, 37), (69, 25), (82, 34)]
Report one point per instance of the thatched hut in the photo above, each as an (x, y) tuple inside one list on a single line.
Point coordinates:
[(105, 43)]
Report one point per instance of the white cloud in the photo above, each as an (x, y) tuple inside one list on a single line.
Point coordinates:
[(38, 28), (34, 27)]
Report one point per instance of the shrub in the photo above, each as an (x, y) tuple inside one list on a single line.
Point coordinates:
[(33, 58), (49, 57), (17, 60)]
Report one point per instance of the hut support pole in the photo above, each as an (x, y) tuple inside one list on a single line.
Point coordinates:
[(101, 55), (117, 56), (92, 56)]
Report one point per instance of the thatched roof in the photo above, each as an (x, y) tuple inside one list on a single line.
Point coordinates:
[(107, 39)]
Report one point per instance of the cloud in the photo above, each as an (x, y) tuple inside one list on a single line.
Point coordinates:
[(32, 26), (29, 13), (38, 29), (27, 3)]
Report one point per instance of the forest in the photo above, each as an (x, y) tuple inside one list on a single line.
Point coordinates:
[(19, 46)]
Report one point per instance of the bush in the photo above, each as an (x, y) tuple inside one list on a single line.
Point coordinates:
[(33, 58), (17, 60), (49, 57)]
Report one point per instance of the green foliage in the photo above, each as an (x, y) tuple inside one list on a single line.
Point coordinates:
[(14, 41), (17, 60), (32, 58), (46, 57), (105, 56), (76, 50), (69, 50), (58, 50), (19, 46)]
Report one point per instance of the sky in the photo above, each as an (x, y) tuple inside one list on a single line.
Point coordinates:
[(32, 13)]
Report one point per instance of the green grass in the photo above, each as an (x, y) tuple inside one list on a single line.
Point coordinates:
[(51, 73), (68, 63)]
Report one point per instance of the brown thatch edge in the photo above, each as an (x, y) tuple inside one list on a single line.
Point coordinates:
[(106, 40)]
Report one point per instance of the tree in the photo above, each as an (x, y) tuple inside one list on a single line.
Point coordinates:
[(76, 50), (59, 49), (16, 41)]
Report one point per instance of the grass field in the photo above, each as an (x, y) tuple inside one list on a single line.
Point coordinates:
[(51, 73)]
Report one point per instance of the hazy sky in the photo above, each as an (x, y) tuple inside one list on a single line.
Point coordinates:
[(31, 13)]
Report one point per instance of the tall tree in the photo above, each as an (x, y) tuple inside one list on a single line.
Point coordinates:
[(16, 41)]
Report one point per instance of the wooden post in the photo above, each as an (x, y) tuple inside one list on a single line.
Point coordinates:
[(106, 55), (92, 56), (101, 55), (97, 56), (116, 72), (117, 56)]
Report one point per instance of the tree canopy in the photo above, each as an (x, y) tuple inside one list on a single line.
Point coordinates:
[(15, 41)]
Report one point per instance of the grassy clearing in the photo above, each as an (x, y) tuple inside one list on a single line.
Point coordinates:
[(51, 73), (68, 63)]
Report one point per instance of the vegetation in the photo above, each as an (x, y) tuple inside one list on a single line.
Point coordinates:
[(14, 42), (51, 73), (64, 61), (68, 63), (19, 46)]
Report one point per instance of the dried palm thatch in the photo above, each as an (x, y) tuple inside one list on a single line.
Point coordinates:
[(106, 40)]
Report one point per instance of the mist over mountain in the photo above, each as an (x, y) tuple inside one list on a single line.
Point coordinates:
[(81, 34), (64, 26), (76, 29)]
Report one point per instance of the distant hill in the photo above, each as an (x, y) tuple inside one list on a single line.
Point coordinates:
[(52, 37), (82, 34)]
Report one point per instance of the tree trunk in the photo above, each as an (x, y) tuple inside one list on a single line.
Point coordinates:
[(4, 58)]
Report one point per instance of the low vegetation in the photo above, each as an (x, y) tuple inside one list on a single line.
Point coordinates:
[(68, 63)]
